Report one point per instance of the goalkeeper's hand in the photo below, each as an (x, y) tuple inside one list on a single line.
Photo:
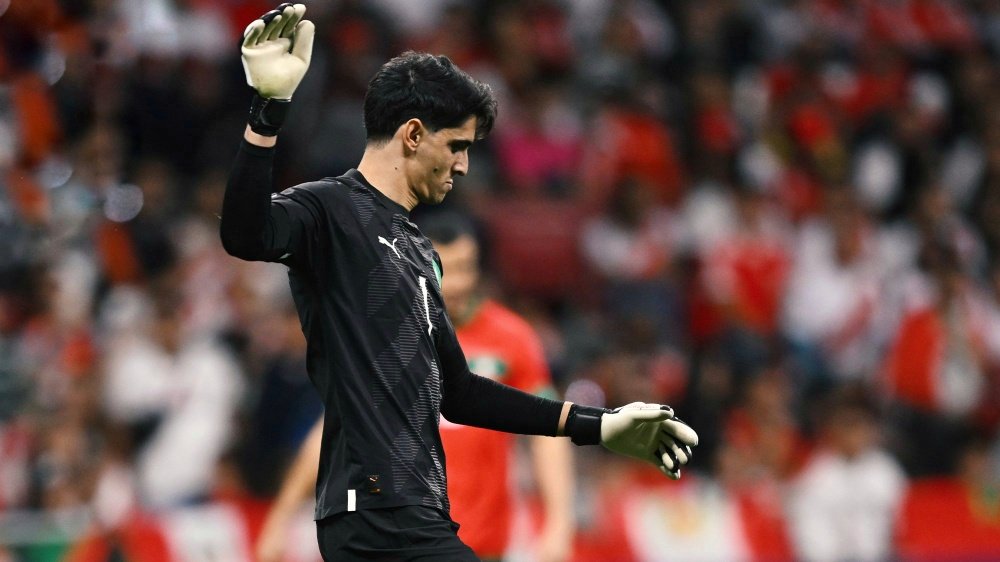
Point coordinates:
[(651, 433), (277, 48)]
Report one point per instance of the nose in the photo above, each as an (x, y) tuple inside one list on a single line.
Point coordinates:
[(461, 164)]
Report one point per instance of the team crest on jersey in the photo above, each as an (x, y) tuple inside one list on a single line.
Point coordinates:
[(437, 272), (489, 366)]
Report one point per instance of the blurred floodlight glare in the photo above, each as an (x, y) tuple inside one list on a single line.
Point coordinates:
[(585, 391), (123, 203)]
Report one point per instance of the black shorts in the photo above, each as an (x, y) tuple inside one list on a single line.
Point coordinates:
[(409, 533)]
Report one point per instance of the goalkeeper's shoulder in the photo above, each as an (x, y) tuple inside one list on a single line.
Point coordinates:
[(326, 191)]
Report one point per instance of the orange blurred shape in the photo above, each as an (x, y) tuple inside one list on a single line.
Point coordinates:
[(30, 199), (35, 15), (912, 358), (78, 355), (36, 117), (117, 253), (941, 520)]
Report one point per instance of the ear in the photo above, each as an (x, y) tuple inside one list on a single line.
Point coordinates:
[(413, 133)]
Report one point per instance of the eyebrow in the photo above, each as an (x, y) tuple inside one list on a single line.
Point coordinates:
[(460, 144)]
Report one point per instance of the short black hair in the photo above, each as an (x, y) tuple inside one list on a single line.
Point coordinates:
[(444, 227), (427, 87)]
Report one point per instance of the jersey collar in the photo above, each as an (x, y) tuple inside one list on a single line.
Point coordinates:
[(382, 198)]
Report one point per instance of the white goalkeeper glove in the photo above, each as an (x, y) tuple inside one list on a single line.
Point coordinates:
[(277, 49), (651, 433)]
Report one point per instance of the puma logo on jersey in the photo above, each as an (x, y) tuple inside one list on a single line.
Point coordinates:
[(382, 240)]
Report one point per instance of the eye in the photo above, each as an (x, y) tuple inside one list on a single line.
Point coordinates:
[(459, 146)]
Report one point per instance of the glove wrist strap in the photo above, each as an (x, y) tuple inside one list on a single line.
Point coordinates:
[(583, 425), (267, 115)]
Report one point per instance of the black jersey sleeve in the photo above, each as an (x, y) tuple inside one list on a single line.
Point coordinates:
[(257, 225), (470, 399)]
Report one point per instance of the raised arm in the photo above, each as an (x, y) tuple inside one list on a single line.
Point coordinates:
[(248, 230), (276, 51)]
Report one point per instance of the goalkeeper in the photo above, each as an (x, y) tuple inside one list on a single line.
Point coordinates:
[(382, 352)]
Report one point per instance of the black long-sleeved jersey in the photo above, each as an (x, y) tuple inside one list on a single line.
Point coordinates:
[(382, 352)]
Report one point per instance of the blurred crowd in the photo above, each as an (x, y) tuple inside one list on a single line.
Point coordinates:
[(780, 216)]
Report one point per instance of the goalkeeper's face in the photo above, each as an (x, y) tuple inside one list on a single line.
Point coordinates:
[(438, 157)]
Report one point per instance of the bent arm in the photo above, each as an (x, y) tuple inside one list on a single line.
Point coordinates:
[(552, 461), (470, 399), (299, 483)]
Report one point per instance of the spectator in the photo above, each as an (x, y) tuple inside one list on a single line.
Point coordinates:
[(738, 205), (955, 516), (937, 363), (834, 307), (843, 505), (181, 410), (762, 451), (744, 275), (632, 249), (539, 148)]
